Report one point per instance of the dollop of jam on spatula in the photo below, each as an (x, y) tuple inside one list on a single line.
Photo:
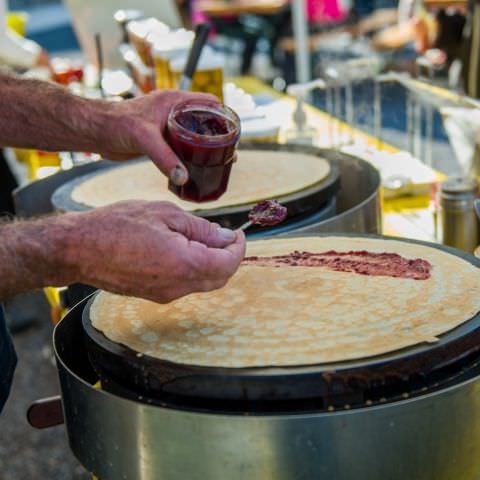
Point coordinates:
[(266, 213)]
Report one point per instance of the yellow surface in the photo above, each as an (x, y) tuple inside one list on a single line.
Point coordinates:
[(57, 311), (406, 203), (17, 21), (39, 164), (439, 92)]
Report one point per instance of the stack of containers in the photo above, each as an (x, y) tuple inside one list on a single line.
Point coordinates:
[(140, 31), (165, 49), (208, 77)]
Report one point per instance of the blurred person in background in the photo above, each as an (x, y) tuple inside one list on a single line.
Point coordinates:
[(249, 28), (455, 30), (452, 30), (389, 28)]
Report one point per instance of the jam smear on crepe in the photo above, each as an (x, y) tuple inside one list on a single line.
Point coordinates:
[(360, 262)]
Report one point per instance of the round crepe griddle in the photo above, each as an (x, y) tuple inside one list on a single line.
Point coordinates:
[(120, 367), (304, 202)]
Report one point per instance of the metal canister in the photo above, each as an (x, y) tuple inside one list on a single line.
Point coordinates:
[(459, 223)]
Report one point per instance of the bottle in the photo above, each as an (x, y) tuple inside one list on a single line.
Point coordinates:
[(459, 223)]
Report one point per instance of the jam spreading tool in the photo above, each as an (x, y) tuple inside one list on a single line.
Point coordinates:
[(266, 213)]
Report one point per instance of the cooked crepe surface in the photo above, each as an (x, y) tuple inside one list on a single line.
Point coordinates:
[(294, 315), (256, 175)]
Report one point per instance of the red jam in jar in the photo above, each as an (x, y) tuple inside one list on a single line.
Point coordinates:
[(204, 135)]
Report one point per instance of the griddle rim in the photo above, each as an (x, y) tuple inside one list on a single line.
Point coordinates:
[(466, 328)]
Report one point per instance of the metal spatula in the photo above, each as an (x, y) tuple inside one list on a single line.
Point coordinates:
[(201, 36)]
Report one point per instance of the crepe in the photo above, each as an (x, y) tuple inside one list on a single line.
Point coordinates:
[(293, 315), (256, 175)]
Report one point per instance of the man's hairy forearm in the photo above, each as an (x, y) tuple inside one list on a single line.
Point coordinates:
[(36, 114), (33, 254)]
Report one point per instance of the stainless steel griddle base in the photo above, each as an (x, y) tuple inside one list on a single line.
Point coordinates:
[(434, 437)]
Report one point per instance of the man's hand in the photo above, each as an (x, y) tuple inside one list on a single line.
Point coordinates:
[(45, 116), (138, 127), (152, 250)]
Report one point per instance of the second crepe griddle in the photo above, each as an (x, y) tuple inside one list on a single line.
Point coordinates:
[(300, 203), (351, 381)]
